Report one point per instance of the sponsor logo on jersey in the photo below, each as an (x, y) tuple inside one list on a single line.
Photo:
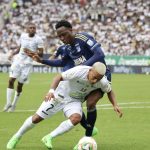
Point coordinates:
[(90, 42), (79, 60), (78, 48)]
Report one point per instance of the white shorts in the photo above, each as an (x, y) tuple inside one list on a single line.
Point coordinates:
[(49, 108), (20, 72)]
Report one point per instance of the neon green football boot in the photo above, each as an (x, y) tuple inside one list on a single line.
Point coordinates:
[(47, 141), (94, 132), (12, 142)]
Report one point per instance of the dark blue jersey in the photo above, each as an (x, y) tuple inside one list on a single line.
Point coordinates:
[(60, 51), (68, 63), (85, 50)]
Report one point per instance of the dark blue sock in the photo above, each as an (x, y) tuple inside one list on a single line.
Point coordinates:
[(83, 121), (91, 119)]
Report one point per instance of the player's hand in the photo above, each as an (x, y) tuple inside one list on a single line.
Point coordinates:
[(118, 111), (37, 58), (33, 55), (49, 96)]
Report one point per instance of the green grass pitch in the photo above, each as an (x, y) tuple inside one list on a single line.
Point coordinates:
[(131, 132)]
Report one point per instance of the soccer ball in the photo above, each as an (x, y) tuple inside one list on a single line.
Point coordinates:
[(87, 143)]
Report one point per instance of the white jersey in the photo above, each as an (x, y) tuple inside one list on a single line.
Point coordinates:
[(32, 43), (77, 86)]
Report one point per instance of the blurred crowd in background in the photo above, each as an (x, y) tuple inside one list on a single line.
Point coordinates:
[(121, 26)]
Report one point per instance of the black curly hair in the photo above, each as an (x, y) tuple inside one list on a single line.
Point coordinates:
[(63, 23)]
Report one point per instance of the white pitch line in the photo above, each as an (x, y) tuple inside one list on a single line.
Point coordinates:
[(130, 103), (130, 107), (98, 108), (104, 106)]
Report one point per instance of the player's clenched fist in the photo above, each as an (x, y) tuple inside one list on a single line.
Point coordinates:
[(50, 95)]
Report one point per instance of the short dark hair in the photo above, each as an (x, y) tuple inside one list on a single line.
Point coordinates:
[(30, 24), (63, 23)]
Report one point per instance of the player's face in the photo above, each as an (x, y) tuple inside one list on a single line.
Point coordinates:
[(31, 30), (94, 76), (65, 35)]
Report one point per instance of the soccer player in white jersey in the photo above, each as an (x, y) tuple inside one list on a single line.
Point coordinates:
[(67, 93), (22, 64)]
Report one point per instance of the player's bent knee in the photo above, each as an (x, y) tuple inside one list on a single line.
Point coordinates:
[(93, 98), (75, 119), (36, 119), (91, 105)]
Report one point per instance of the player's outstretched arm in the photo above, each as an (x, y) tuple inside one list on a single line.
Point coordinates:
[(33, 55), (53, 63), (50, 95), (112, 99)]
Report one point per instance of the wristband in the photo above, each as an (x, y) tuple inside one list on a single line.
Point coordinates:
[(51, 91)]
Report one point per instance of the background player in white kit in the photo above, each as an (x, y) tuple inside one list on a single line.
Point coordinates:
[(22, 64), (67, 93)]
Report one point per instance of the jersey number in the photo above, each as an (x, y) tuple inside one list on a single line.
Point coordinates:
[(83, 89)]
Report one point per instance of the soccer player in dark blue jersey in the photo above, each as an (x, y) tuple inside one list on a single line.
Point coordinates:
[(81, 49)]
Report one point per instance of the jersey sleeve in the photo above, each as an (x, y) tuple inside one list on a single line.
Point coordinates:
[(58, 52), (88, 41), (105, 85), (90, 44)]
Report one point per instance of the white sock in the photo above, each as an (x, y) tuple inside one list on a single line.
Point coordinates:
[(16, 98), (62, 128), (27, 125), (9, 96)]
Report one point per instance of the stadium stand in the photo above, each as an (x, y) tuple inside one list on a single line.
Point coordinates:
[(122, 27)]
